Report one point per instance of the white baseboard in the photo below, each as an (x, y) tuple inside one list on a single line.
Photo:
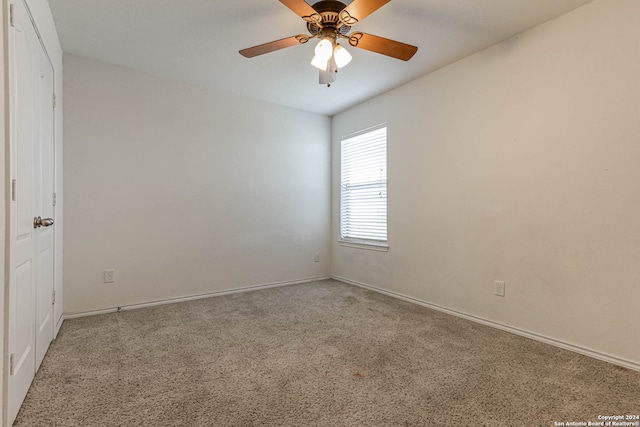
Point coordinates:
[(190, 298), (547, 340)]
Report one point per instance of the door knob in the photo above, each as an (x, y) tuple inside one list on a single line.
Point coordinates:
[(40, 222), (47, 222)]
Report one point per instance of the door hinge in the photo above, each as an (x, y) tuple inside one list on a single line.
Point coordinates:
[(11, 363), (54, 100), (53, 298), (13, 190), (11, 21), (55, 198)]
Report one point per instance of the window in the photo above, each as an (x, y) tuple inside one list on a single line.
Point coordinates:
[(363, 186)]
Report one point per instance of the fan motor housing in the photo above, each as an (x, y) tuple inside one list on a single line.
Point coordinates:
[(329, 10)]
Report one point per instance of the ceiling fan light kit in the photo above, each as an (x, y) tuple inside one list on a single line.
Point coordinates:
[(329, 20)]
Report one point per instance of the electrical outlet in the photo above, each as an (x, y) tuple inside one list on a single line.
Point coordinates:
[(316, 257), (109, 276), (498, 288)]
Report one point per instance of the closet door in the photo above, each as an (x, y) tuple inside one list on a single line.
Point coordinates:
[(43, 194), (29, 328)]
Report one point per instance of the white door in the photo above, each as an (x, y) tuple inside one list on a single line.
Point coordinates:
[(30, 249)]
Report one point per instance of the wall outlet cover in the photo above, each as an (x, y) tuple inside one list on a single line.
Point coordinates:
[(109, 276), (498, 288)]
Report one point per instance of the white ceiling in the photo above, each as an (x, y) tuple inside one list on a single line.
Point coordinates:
[(197, 41)]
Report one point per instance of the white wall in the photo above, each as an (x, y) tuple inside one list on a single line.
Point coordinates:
[(519, 163), (186, 191)]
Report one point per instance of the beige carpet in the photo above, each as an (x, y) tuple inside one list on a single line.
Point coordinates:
[(320, 354)]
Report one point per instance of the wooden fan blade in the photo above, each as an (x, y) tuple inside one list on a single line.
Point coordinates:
[(273, 46), (381, 45), (303, 10), (360, 9)]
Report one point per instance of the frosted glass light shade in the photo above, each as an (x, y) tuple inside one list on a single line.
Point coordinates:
[(342, 56), (319, 62), (328, 76), (324, 49)]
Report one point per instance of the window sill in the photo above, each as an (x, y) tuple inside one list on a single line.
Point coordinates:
[(370, 246)]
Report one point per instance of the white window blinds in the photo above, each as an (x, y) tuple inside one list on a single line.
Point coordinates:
[(363, 205)]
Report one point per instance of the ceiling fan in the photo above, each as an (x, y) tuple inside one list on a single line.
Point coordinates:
[(330, 20)]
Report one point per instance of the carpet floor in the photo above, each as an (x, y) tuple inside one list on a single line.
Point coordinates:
[(319, 354)]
